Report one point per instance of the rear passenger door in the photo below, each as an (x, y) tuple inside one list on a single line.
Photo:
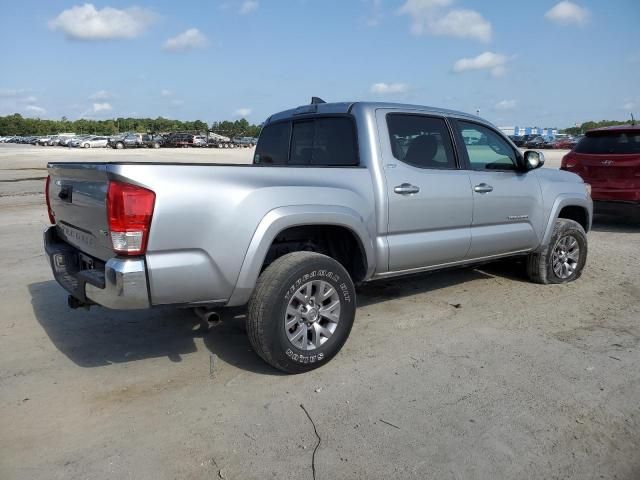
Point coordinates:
[(507, 200), (429, 196)]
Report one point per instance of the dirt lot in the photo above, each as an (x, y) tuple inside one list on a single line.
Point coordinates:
[(463, 374)]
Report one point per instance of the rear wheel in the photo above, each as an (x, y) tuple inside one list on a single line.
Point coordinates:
[(563, 259), (119, 146), (156, 145), (301, 311)]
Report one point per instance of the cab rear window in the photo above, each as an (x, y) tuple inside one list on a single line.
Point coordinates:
[(610, 143), (322, 141)]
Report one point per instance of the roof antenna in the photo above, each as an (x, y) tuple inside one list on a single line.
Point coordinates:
[(633, 120), (316, 100)]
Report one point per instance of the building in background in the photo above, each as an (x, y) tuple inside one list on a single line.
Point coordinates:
[(519, 131)]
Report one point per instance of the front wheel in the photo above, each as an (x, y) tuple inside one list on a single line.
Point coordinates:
[(301, 311), (564, 258), (119, 146), (86, 145)]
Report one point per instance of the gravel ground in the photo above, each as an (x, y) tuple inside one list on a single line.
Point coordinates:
[(464, 374)]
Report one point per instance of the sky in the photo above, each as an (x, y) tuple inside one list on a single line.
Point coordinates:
[(544, 63)]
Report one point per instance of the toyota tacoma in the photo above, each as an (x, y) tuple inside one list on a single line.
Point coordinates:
[(337, 194)]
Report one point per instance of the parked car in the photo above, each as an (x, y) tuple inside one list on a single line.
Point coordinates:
[(548, 142), (136, 140), (199, 141), (609, 159), (245, 141), (77, 141), (183, 140), (317, 212), (95, 142), (565, 143), (534, 142)]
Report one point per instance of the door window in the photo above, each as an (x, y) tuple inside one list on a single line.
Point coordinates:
[(486, 149), (421, 141), (273, 147), (324, 142)]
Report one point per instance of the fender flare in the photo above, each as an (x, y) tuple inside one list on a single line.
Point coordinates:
[(281, 218), (566, 200)]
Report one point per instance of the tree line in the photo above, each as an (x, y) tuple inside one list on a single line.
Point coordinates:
[(592, 124), (16, 124)]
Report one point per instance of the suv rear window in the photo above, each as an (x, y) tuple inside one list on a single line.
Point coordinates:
[(614, 142), (324, 141)]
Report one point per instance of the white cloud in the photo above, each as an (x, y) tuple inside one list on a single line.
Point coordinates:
[(494, 62), (243, 112), (388, 88), (176, 103), (463, 24), (248, 6), (166, 93), (102, 107), (631, 105), (568, 13), (430, 17), (35, 109), (88, 23), (187, 40), (504, 105), (30, 99), (100, 95)]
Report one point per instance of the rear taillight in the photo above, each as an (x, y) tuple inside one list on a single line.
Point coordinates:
[(129, 211), (568, 162), (52, 218)]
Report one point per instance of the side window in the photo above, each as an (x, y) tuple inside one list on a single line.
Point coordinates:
[(486, 149), (273, 144), (421, 141), (324, 142)]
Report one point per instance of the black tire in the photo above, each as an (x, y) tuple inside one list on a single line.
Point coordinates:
[(269, 302), (540, 264), (119, 146)]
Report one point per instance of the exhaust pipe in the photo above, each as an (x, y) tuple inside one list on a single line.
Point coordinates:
[(208, 317)]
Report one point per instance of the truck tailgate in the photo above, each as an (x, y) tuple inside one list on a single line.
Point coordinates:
[(77, 194)]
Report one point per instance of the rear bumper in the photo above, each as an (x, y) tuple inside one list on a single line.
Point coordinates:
[(120, 283)]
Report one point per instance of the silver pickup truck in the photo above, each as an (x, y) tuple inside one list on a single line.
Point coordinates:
[(338, 194)]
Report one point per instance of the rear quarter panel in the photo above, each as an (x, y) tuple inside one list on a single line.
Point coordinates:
[(205, 218)]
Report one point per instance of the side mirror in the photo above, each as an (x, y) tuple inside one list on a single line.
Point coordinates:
[(533, 159)]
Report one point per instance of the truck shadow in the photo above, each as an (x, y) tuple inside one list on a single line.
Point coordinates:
[(102, 337), (384, 290), (615, 224)]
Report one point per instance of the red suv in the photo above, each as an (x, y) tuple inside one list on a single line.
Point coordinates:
[(609, 159)]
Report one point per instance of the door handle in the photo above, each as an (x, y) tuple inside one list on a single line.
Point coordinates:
[(483, 188), (406, 189)]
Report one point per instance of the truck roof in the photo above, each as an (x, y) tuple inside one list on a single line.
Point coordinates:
[(348, 107)]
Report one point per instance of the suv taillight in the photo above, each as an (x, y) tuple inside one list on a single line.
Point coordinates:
[(52, 218), (568, 162), (129, 211)]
